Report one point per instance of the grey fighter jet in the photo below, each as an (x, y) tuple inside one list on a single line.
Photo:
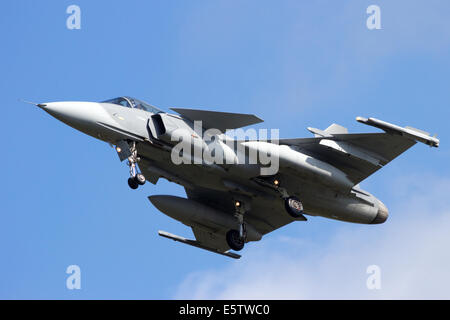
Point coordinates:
[(237, 200)]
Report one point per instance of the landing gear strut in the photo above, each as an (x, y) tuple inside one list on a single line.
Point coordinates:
[(239, 214), (136, 178)]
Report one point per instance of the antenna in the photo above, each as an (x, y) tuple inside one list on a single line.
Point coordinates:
[(40, 105)]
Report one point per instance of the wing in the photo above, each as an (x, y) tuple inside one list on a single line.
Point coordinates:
[(196, 243), (210, 239), (263, 216), (360, 155), (219, 120)]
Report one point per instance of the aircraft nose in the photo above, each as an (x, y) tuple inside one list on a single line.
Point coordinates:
[(77, 114), (72, 111), (83, 116), (382, 214)]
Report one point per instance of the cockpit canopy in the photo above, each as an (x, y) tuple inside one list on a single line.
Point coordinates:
[(133, 103)]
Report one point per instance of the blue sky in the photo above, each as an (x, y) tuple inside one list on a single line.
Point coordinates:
[(294, 64)]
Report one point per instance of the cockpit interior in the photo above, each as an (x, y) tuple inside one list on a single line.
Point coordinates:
[(130, 102)]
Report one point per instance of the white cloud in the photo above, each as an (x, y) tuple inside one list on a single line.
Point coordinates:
[(411, 249)]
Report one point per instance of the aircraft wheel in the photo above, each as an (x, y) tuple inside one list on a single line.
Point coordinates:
[(140, 179), (234, 240), (133, 183), (294, 207)]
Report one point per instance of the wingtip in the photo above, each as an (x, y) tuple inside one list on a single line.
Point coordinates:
[(409, 132)]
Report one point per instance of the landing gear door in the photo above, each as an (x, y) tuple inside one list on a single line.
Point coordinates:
[(123, 150)]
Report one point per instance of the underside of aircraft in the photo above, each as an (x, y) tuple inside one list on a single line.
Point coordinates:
[(236, 201)]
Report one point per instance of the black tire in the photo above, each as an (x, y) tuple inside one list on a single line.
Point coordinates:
[(234, 240), (133, 183), (140, 179), (294, 207)]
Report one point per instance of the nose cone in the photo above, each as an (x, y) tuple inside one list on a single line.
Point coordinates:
[(75, 111), (382, 214), (82, 116)]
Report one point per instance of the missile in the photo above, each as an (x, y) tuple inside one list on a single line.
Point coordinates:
[(191, 212), (410, 132)]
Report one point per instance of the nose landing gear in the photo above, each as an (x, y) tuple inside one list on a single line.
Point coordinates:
[(136, 181), (124, 150), (136, 178)]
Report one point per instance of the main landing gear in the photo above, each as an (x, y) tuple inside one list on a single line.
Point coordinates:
[(294, 207), (292, 204), (236, 239)]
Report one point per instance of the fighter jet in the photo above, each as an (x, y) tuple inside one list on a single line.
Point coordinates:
[(231, 202)]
